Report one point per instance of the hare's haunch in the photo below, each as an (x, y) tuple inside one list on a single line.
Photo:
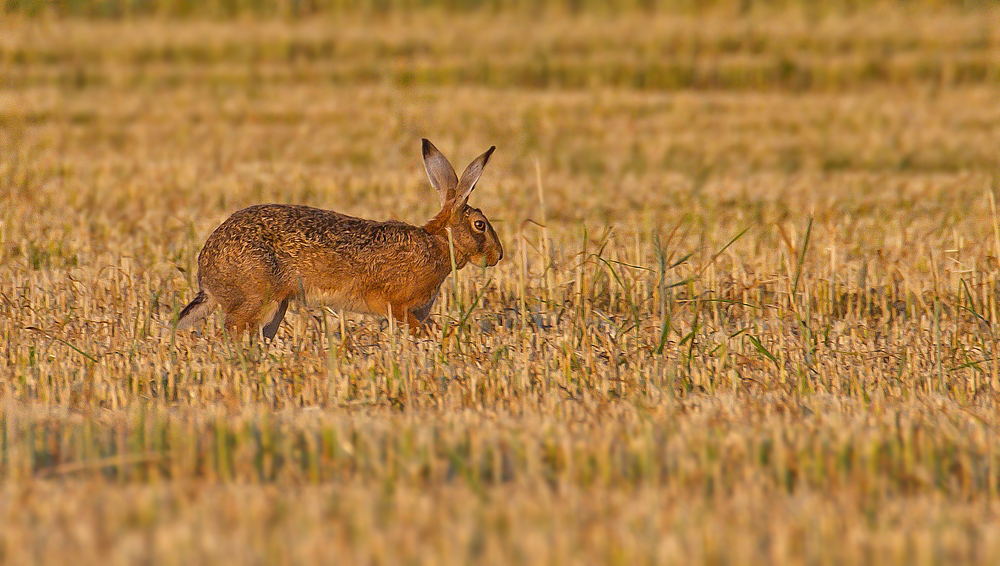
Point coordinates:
[(264, 255)]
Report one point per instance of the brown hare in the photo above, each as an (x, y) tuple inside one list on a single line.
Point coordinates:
[(267, 254)]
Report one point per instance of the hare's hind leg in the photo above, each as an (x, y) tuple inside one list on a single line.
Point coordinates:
[(243, 314), (272, 327), (238, 320), (244, 294)]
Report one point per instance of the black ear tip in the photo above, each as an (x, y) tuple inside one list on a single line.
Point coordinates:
[(490, 151), (426, 145)]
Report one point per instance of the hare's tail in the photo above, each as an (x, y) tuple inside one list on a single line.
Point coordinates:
[(195, 311)]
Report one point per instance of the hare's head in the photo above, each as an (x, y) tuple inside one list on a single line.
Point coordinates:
[(473, 236)]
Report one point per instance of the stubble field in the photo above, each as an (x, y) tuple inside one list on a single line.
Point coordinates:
[(746, 312)]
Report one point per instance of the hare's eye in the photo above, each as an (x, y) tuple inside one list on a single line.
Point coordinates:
[(480, 225)]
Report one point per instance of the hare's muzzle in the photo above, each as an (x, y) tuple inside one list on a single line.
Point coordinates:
[(488, 258), (494, 254)]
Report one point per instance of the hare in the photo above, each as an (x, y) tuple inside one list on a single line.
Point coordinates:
[(271, 253)]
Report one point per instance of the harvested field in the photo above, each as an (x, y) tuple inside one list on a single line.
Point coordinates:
[(745, 315)]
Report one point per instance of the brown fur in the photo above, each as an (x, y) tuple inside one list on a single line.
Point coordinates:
[(265, 255)]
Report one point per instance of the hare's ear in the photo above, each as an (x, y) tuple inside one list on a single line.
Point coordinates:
[(440, 172), (470, 176)]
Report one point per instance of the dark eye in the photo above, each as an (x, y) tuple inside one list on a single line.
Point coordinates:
[(479, 225)]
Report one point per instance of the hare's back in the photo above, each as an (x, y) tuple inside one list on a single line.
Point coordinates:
[(279, 224), (294, 234)]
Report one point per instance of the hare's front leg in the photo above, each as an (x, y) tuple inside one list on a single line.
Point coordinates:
[(402, 315), (418, 318)]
